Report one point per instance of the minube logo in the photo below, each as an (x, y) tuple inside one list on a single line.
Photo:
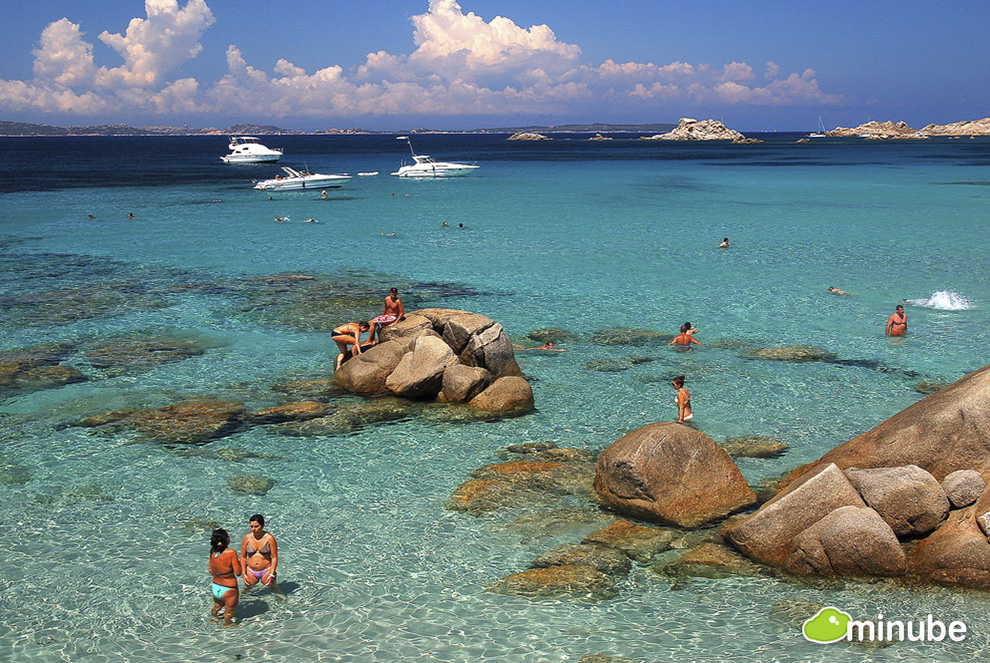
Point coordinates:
[(831, 625)]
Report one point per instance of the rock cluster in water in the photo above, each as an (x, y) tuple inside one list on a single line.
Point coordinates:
[(447, 355), (907, 498)]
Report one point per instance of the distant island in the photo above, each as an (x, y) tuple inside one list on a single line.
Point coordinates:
[(27, 129)]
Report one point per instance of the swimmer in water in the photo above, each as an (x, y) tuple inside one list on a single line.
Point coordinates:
[(897, 322), (724, 244), (840, 292), (546, 346), (684, 340)]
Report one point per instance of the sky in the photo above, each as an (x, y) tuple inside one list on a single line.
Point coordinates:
[(757, 65)]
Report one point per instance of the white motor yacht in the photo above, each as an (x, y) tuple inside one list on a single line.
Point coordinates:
[(247, 149), (299, 180), (426, 166)]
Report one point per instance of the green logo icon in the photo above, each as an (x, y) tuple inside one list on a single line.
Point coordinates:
[(829, 625)]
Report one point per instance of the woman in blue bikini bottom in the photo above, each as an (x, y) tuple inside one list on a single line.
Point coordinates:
[(225, 566)]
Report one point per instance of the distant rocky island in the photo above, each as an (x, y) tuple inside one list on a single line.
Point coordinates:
[(691, 129), (874, 130)]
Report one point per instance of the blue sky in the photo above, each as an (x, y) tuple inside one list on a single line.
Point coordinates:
[(397, 64)]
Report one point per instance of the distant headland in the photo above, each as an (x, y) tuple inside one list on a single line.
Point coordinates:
[(27, 129)]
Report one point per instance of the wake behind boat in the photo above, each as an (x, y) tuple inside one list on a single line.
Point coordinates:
[(248, 149), (299, 180), (426, 166)]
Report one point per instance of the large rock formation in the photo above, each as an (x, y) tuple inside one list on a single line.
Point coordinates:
[(691, 129), (826, 521), (878, 131), (945, 432), (964, 128), (666, 472), (445, 354)]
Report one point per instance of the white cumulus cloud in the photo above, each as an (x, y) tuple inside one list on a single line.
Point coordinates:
[(461, 65)]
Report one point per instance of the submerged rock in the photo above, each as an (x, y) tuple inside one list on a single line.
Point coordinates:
[(754, 446), (791, 353), (252, 485), (572, 581), (609, 561), (629, 336), (126, 355), (552, 335), (711, 560), (36, 369), (639, 542)]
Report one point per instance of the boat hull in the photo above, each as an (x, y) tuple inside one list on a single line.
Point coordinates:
[(253, 158), (303, 184), (448, 170)]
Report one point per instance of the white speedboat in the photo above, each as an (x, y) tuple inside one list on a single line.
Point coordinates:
[(424, 165), (247, 149), (299, 180)]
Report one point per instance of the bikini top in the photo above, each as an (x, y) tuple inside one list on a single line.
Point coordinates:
[(265, 550)]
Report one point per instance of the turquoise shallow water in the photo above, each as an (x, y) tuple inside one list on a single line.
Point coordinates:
[(105, 559)]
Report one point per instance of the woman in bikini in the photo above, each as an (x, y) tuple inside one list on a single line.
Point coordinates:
[(259, 555), (349, 335), (683, 400), (224, 567)]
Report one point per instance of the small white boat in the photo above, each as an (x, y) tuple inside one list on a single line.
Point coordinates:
[(248, 149), (299, 180), (821, 133), (426, 166), (371, 174)]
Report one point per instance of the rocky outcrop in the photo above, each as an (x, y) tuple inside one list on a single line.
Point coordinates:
[(766, 535), (908, 498), (189, 422), (528, 135), (508, 394), (964, 128), (428, 355), (861, 521), (666, 472), (945, 432), (849, 541), (691, 129), (963, 487), (878, 131)]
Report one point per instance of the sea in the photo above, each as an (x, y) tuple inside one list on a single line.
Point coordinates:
[(153, 243)]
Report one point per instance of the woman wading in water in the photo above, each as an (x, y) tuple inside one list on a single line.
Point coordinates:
[(683, 400), (259, 554), (224, 567)]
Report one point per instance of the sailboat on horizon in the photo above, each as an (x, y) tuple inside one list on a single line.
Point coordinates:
[(821, 130)]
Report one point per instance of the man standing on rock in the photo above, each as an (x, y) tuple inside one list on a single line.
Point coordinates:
[(897, 322), (393, 312)]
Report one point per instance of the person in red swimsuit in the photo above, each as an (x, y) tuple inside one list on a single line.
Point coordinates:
[(897, 322)]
